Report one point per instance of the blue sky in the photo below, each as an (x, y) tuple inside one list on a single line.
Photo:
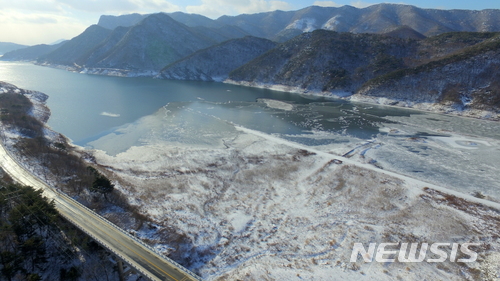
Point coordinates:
[(45, 21)]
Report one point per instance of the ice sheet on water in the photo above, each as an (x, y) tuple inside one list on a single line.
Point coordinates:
[(200, 121), (460, 153), (277, 104), (175, 123)]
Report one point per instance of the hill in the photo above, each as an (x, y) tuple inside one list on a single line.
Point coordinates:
[(326, 61), (74, 51), (455, 71), (211, 64), (465, 80)]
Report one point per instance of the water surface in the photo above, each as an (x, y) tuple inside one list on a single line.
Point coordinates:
[(85, 107)]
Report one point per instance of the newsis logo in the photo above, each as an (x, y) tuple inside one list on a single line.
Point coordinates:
[(386, 252)]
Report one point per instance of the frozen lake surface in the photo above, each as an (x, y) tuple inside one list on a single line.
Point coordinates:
[(454, 152)]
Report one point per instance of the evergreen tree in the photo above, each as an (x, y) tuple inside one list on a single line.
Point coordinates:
[(101, 183)]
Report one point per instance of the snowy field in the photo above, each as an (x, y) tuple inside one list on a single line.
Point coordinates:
[(234, 203)]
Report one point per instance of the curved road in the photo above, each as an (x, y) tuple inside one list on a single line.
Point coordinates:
[(133, 252)]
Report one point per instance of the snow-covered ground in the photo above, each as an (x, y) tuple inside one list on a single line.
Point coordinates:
[(233, 203)]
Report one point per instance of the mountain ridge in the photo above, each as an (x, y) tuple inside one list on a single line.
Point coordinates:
[(153, 43), (141, 49), (74, 51), (379, 18)]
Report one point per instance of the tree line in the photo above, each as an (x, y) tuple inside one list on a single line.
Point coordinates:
[(37, 244)]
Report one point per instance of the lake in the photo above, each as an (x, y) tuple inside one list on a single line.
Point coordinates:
[(85, 107)]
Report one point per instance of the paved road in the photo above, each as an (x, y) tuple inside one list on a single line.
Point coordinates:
[(141, 257)]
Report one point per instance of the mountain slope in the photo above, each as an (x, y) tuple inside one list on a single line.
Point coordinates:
[(220, 34), (215, 63), (326, 61), (439, 46), (209, 27), (145, 44), (143, 48), (265, 25), (102, 50), (465, 80), (76, 49), (453, 71), (156, 41)]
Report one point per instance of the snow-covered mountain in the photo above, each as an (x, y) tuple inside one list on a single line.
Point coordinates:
[(467, 80), (379, 18), (448, 72)]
